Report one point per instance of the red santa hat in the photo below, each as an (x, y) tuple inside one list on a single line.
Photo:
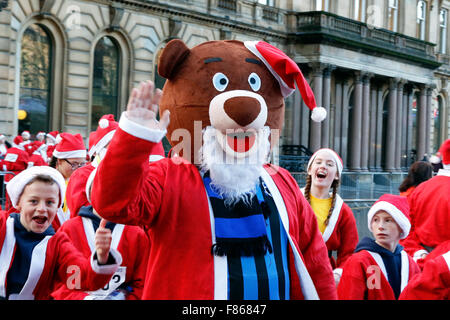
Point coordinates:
[(26, 134), (16, 185), (40, 133), (17, 140), (333, 154), (287, 72), (52, 135), (102, 136), (397, 207), (444, 150), (70, 146)]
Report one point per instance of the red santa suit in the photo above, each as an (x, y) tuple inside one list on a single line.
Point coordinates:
[(365, 277), (430, 215), (433, 283), (130, 241), (341, 234), (54, 259), (16, 160), (169, 196)]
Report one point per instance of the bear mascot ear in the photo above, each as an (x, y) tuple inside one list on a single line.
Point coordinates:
[(172, 55)]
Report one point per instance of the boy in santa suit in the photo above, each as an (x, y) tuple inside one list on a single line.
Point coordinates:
[(132, 243), (380, 269), (32, 256), (335, 218), (430, 212), (40, 136)]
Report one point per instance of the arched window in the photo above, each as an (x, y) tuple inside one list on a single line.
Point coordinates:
[(35, 80), (105, 90)]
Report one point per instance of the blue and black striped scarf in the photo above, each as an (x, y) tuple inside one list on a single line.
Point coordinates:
[(240, 229)]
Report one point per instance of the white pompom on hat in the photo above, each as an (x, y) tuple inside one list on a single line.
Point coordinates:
[(17, 184), (102, 136), (287, 73)]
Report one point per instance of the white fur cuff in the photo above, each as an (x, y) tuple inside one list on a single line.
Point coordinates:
[(418, 254), (140, 131), (107, 268)]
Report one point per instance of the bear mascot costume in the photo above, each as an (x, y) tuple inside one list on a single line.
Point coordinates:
[(223, 224)]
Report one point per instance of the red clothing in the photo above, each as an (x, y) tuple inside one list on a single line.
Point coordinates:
[(169, 197), (76, 189), (363, 278), (433, 283), (36, 160), (130, 241), (16, 160), (61, 261), (341, 234), (430, 215)]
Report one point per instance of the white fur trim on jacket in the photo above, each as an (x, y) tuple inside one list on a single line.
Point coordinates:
[(140, 131), (107, 268)]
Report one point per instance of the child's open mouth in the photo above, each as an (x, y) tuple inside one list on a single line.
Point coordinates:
[(241, 141), (321, 175), (40, 219)]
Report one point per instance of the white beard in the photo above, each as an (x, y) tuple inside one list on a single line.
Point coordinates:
[(234, 179)]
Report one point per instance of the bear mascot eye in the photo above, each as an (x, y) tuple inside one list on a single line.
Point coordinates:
[(220, 81), (255, 81)]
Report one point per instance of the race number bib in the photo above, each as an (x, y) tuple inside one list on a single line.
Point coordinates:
[(11, 157), (116, 280)]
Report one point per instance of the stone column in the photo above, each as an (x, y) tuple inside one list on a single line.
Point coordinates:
[(315, 127), (373, 126), (344, 124), (325, 125), (379, 128), (428, 150), (338, 115), (399, 137), (409, 136), (355, 156), (421, 122), (404, 152), (365, 122), (391, 126)]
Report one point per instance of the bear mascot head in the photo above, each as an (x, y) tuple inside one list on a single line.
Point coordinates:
[(226, 103)]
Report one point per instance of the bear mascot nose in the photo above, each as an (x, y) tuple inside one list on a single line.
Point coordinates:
[(243, 110)]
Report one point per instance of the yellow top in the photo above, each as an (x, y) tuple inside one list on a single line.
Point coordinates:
[(321, 208)]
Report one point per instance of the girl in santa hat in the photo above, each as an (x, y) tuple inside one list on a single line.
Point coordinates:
[(32, 256), (69, 155), (419, 172), (335, 218), (380, 269)]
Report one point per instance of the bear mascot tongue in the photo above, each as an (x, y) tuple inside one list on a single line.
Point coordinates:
[(226, 103)]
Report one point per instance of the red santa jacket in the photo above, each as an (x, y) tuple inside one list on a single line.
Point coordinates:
[(76, 189), (54, 260), (341, 234), (364, 277), (169, 197), (430, 215), (433, 283), (130, 241)]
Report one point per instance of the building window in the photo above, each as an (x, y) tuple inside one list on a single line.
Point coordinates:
[(359, 10), (105, 89), (421, 19), (437, 111), (322, 5), (267, 2), (443, 14), (393, 15), (35, 80)]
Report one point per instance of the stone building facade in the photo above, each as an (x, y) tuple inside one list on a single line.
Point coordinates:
[(380, 67)]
